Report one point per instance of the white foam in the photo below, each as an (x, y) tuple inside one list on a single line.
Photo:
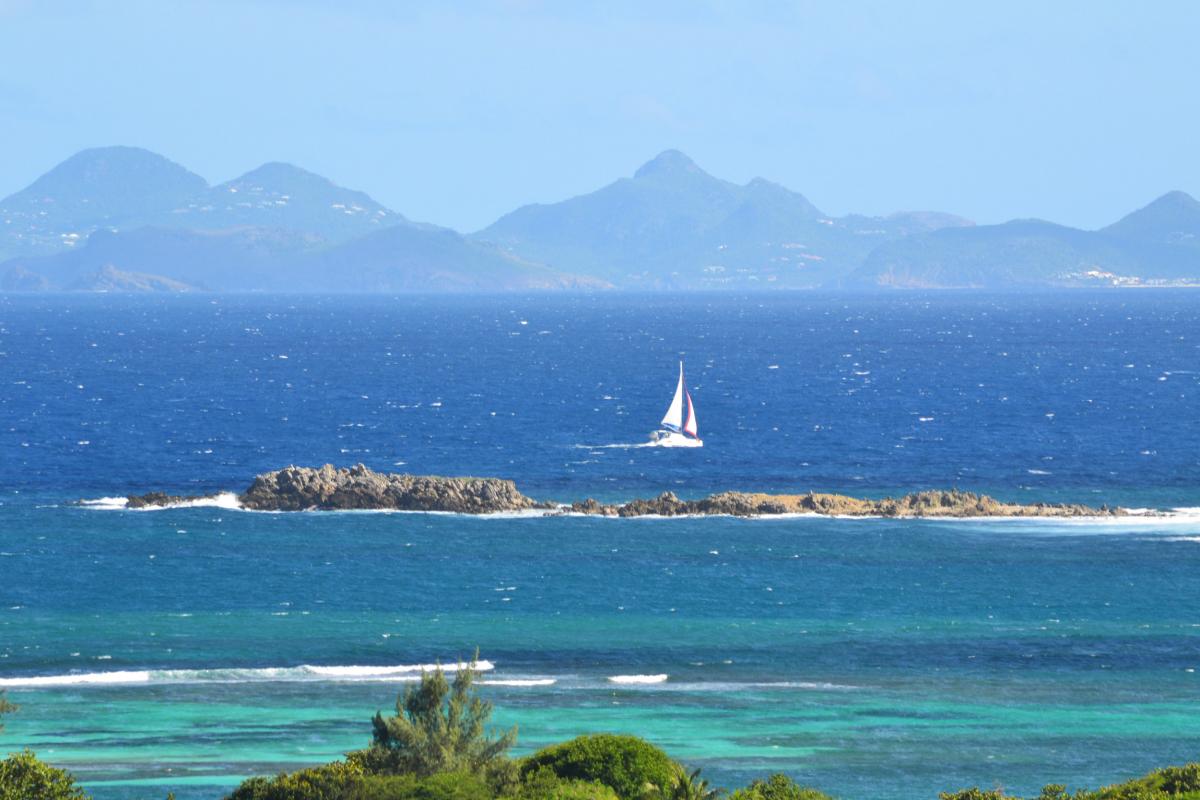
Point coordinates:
[(106, 502), (226, 500), (79, 679), (403, 669), (734, 686), (304, 672), (617, 446), (520, 682), (638, 679)]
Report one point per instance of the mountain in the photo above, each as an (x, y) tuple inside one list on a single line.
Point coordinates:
[(1173, 219), (236, 259), (104, 186), (1022, 253), (400, 258), (121, 188), (278, 195), (674, 225), (1034, 253), (410, 257), (126, 219)]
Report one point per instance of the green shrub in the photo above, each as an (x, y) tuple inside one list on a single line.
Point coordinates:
[(444, 786), (1168, 783), (23, 777), (346, 780), (975, 793), (326, 782), (1179, 780), (777, 787), (438, 727), (628, 765), (544, 784), (5, 708)]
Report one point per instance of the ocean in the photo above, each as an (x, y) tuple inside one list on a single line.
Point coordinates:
[(185, 649)]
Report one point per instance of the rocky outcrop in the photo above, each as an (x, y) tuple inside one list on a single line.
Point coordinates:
[(952, 503), (156, 499), (359, 487)]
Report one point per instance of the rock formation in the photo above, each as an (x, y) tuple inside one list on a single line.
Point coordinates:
[(953, 503), (359, 487), (152, 499), (299, 488)]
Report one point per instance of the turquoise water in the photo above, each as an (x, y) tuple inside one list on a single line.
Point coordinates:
[(187, 648)]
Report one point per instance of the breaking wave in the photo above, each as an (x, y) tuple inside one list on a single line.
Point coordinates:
[(302, 673), (638, 679), (226, 500)]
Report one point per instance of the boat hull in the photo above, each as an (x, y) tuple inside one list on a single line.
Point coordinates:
[(673, 439)]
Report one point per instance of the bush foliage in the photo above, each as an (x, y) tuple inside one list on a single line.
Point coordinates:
[(438, 727), (544, 784), (630, 766), (23, 777), (777, 787), (5, 708), (1169, 783)]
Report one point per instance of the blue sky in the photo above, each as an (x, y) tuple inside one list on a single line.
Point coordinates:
[(455, 113)]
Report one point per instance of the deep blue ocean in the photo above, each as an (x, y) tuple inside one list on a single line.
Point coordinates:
[(187, 648)]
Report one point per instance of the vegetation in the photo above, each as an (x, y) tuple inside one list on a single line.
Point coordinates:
[(630, 766), (438, 727), (326, 782), (544, 784), (5, 708), (23, 777), (777, 787), (1169, 783), (690, 786)]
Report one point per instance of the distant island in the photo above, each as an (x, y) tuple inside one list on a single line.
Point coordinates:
[(126, 219), (330, 488)]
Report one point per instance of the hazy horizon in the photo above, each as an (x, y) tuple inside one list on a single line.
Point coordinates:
[(1073, 113)]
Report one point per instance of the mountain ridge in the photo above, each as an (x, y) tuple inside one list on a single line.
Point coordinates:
[(107, 213)]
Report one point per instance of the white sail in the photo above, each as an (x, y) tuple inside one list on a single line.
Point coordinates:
[(673, 419)]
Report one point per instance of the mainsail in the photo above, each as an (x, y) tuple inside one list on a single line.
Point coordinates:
[(673, 419)]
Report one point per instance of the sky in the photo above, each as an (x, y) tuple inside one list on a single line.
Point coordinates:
[(456, 113)]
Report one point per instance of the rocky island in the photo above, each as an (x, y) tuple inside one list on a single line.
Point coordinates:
[(330, 488), (359, 487), (953, 503)]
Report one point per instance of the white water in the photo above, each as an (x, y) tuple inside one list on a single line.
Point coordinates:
[(305, 672), (226, 500), (638, 679)]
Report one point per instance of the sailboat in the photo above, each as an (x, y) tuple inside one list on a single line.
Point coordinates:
[(679, 423)]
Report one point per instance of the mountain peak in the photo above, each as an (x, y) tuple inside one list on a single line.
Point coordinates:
[(109, 170), (280, 173), (100, 186), (668, 162), (1178, 198), (1173, 217)]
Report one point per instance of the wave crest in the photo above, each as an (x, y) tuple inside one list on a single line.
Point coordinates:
[(302, 673), (638, 679)]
